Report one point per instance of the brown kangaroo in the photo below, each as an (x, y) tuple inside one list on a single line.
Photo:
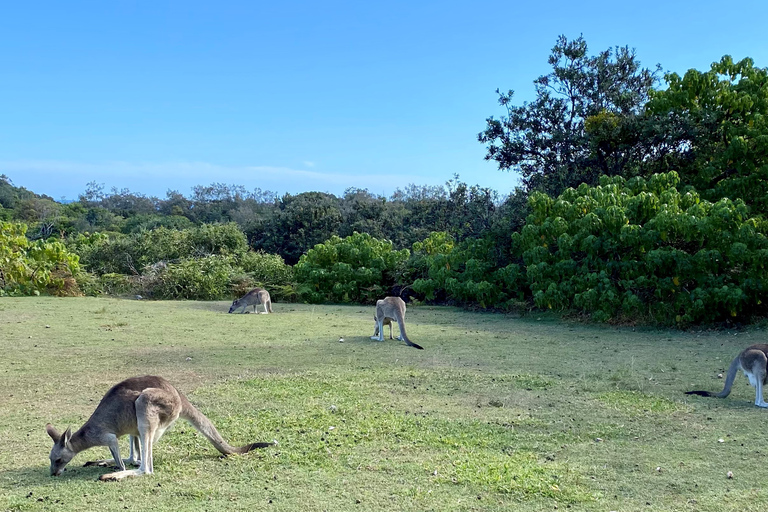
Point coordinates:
[(255, 297), (388, 309), (142, 408)]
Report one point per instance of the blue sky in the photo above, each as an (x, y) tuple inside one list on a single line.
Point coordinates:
[(299, 96)]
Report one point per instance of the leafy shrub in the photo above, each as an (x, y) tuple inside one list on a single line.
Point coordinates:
[(640, 248), (31, 268), (215, 239), (119, 284), (269, 270), (130, 254), (199, 279), (358, 268), (465, 273), (89, 283), (161, 264)]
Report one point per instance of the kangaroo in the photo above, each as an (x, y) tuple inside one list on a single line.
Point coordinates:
[(388, 309), (753, 361), (253, 298), (143, 408)]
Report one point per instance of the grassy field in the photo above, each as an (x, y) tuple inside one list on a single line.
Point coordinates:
[(497, 413)]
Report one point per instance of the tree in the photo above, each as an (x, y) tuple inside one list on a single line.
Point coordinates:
[(125, 203), (93, 195), (301, 222), (362, 212), (42, 213), (176, 204), (712, 128), (546, 141)]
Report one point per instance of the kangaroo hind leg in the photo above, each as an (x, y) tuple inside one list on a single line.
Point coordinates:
[(156, 410), (379, 334), (757, 372)]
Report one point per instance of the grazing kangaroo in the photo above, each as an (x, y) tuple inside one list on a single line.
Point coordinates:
[(253, 298), (143, 408), (753, 361), (388, 309)]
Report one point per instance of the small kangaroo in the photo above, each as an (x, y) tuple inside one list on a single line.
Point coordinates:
[(253, 298), (753, 361), (143, 408), (388, 309)]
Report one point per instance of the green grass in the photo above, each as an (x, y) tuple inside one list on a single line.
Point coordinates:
[(497, 413)]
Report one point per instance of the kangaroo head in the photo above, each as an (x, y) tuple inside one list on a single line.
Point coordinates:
[(234, 305), (62, 452)]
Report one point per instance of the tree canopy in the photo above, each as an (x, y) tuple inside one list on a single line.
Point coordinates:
[(546, 141)]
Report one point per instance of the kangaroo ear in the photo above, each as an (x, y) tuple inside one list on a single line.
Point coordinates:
[(66, 436), (53, 433)]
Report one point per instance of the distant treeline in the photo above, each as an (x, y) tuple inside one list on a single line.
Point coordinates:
[(286, 225)]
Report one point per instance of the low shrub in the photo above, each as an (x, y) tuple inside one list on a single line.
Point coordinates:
[(641, 249), (205, 278), (465, 274), (357, 268), (267, 270), (104, 253), (32, 268)]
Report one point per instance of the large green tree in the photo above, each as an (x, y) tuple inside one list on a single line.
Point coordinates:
[(546, 140), (712, 128)]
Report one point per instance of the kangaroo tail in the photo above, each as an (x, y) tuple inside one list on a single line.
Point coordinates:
[(401, 323), (269, 306), (734, 368), (206, 427), (700, 393)]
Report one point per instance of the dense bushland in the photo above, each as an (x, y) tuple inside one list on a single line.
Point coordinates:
[(642, 249)]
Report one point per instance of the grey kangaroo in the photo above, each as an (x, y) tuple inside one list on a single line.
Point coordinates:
[(753, 361), (143, 408), (388, 309), (253, 298)]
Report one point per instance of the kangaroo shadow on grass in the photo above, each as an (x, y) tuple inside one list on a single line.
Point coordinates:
[(366, 340), (39, 476), (215, 306), (708, 403)]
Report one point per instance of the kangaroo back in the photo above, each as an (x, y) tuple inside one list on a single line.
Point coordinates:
[(206, 427)]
